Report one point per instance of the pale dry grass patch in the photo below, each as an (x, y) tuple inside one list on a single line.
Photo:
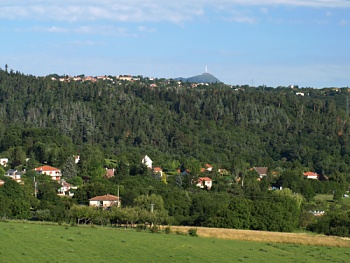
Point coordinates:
[(267, 237)]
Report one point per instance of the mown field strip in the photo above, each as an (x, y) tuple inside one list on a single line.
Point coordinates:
[(29, 242)]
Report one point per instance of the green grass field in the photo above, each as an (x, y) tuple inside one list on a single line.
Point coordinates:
[(29, 242)]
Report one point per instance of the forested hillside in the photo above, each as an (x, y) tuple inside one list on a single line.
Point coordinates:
[(234, 128), (215, 124)]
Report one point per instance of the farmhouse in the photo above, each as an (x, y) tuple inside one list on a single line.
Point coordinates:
[(105, 201)]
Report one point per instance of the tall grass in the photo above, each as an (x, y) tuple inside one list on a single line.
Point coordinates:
[(268, 237)]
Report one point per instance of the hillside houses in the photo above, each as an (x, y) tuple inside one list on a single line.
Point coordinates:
[(105, 201), (311, 175), (14, 175), (53, 172)]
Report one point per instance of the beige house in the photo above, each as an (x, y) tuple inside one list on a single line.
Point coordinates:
[(53, 172), (105, 201)]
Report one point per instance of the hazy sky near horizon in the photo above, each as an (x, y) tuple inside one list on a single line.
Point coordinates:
[(266, 42)]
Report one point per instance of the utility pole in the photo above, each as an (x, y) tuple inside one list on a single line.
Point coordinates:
[(35, 187), (118, 197)]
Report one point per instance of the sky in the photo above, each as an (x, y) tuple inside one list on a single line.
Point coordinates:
[(241, 42)]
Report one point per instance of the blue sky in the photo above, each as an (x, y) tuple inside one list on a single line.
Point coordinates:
[(266, 42)]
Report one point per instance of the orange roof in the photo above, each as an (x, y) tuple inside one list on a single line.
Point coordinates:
[(310, 174), (46, 168), (157, 169), (208, 165), (106, 197)]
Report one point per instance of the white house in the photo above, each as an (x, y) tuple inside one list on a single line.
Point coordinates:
[(76, 158), (311, 175), (204, 182), (105, 201), (147, 161), (14, 174), (65, 187), (55, 173), (4, 161)]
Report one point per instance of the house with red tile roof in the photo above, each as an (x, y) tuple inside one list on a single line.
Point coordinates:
[(208, 167), (204, 182), (158, 170), (53, 172), (311, 175), (105, 201)]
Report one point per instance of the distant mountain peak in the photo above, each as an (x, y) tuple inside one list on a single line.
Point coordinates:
[(206, 77)]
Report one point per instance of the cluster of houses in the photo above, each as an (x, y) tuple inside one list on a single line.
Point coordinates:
[(95, 79), (110, 200)]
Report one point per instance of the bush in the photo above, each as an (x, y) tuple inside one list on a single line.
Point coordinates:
[(167, 230), (140, 227), (193, 232), (154, 229)]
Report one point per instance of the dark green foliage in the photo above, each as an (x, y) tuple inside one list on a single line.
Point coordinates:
[(333, 223), (193, 232), (167, 230)]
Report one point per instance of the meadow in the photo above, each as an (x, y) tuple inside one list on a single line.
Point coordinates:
[(33, 242)]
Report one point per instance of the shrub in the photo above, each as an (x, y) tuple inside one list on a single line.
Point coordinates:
[(140, 227), (193, 232), (167, 230), (154, 229)]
